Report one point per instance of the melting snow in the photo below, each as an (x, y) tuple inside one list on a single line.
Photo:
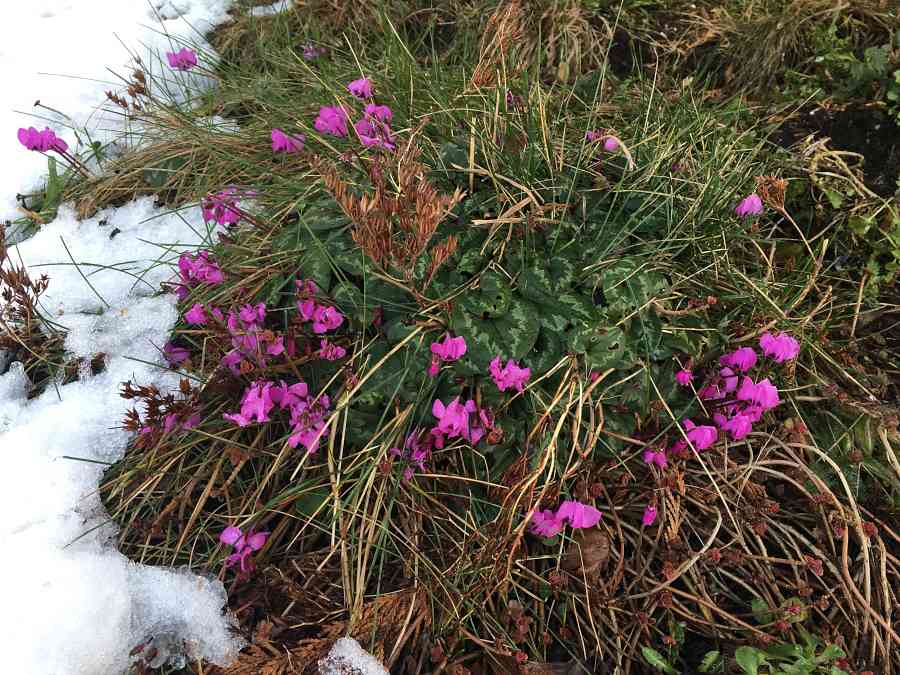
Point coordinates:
[(348, 658), (79, 606), (66, 54)]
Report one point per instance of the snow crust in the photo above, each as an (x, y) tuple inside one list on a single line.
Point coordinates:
[(275, 8), (347, 657), (66, 54), (80, 606)]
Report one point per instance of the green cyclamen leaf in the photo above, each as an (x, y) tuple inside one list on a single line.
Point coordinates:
[(657, 660), (749, 659)]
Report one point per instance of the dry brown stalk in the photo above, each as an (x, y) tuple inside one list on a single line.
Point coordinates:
[(395, 223), (505, 28)]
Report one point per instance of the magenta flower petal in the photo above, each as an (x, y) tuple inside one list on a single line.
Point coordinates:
[(195, 316), (545, 524), (649, 516), (175, 355), (751, 205), (281, 142), (684, 377), (450, 349), (184, 59), (509, 376), (361, 88), (702, 436), (230, 535), (256, 540), (379, 112), (742, 359), (579, 515), (779, 348), (332, 120)]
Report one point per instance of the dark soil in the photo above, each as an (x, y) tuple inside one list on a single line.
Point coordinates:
[(868, 131)]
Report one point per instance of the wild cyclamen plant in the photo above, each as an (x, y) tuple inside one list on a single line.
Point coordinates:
[(283, 143), (195, 270), (42, 141), (446, 351), (737, 400), (183, 59), (223, 206), (245, 545), (307, 413), (415, 452), (549, 523)]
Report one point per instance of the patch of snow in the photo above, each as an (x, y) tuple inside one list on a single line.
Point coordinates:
[(269, 10), (66, 54), (347, 657), (80, 606)]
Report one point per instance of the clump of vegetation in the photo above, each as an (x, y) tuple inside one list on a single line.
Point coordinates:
[(507, 360)]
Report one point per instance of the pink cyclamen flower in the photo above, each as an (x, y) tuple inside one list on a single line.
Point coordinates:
[(196, 315), (326, 319), (416, 451), (306, 309), (361, 88), (751, 205), (199, 268), (455, 421), (510, 375), (230, 535), (332, 120), (611, 144), (183, 59), (711, 392), (546, 523), (649, 516), (281, 142), (729, 380), (42, 141), (779, 348), (763, 393), (579, 515), (309, 423), (701, 436), (175, 355), (684, 377), (374, 133), (330, 351), (450, 349), (194, 270), (549, 523), (592, 135), (253, 313), (256, 404), (244, 546), (738, 426), (742, 359), (658, 457), (453, 418), (380, 112), (222, 207)]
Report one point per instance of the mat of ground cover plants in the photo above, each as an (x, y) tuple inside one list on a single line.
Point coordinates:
[(486, 337)]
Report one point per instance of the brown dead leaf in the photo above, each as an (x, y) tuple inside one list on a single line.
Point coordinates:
[(588, 554), (236, 455)]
